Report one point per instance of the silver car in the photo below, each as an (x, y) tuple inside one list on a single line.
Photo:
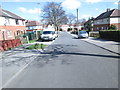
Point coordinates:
[(83, 34)]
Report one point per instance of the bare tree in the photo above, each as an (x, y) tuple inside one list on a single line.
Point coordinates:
[(71, 19), (54, 14)]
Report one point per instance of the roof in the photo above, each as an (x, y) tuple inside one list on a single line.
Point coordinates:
[(32, 23), (108, 14), (9, 14)]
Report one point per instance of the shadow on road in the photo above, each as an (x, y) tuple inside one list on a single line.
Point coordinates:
[(59, 53), (51, 54)]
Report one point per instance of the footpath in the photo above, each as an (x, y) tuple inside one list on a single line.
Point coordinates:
[(111, 46)]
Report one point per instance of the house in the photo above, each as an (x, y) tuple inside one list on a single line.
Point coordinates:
[(11, 25), (32, 26), (65, 27), (106, 19)]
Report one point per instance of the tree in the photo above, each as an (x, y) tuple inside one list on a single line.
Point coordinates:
[(89, 25), (113, 27), (71, 18), (54, 14)]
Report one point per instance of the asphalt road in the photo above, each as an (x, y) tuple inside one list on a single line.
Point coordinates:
[(70, 63)]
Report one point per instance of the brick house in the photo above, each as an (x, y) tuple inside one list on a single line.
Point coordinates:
[(32, 26), (11, 25), (106, 19)]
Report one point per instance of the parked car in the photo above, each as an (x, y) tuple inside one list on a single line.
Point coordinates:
[(56, 34), (83, 34), (48, 35)]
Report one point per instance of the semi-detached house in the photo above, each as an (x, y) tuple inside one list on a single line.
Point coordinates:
[(104, 20), (11, 25)]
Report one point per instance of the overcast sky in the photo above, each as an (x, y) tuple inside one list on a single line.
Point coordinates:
[(28, 9)]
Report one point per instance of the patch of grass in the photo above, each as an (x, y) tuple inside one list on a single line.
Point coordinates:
[(37, 46), (32, 41)]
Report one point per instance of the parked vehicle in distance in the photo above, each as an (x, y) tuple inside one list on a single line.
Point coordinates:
[(56, 34), (48, 35), (83, 34)]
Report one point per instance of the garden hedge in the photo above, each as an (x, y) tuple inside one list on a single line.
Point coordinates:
[(110, 35)]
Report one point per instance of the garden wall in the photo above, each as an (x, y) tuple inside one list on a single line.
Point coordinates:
[(8, 44)]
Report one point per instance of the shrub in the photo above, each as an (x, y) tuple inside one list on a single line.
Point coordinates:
[(110, 34), (60, 29), (69, 29), (113, 27)]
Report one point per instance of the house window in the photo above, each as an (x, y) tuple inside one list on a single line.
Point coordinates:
[(102, 28), (23, 22), (17, 22), (9, 33), (97, 28), (18, 32), (7, 22)]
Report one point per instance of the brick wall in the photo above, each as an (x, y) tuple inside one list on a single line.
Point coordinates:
[(117, 25), (8, 44)]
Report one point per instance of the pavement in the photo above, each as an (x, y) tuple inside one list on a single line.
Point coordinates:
[(111, 46), (12, 61)]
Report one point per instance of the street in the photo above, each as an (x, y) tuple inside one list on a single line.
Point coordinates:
[(70, 63)]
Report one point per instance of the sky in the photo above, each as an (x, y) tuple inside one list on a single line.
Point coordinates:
[(28, 9)]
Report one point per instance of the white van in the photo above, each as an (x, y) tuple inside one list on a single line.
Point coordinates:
[(48, 35)]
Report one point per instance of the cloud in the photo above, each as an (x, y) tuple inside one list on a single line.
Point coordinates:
[(93, 1), (30, 11), (116, 3), (71, 4), (22, 9), (96, 9)]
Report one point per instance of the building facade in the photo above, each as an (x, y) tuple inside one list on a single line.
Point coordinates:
[(106, 19), (32, 26), (11, 25)]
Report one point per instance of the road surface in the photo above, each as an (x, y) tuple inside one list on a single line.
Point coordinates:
[(70, 63)]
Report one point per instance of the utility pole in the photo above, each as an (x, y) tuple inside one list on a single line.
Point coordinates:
[(77, 21), (38, 21)]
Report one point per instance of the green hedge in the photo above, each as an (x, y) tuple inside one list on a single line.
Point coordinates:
[(110, 34)]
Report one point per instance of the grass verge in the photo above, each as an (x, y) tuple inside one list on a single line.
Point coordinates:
[(37, 46), (32, 41)]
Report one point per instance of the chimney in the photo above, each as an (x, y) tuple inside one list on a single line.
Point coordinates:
[(108, 9)]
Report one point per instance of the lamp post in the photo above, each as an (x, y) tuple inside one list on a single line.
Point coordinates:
[(38, 21), (77, 21)]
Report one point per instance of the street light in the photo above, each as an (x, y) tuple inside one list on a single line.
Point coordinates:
[(77, 21), (38, 20)]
